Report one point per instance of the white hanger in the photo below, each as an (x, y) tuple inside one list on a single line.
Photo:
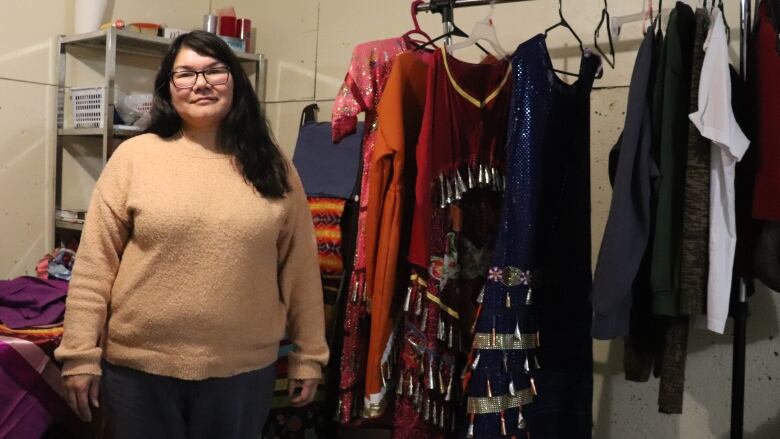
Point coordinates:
[(483, 30), (646, 16)]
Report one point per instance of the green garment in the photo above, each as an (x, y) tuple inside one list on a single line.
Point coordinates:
[(673, 90)]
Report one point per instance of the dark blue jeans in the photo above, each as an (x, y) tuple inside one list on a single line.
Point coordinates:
[(139, 405)]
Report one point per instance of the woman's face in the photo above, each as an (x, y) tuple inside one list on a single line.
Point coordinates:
[(208, 99)]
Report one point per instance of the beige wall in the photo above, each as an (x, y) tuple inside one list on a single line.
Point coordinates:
[(308, 44)]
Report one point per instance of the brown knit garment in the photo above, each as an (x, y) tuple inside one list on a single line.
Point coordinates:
[(695, 239), (192, 273)]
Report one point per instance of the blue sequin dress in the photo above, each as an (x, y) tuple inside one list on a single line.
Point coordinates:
[(532, 348)]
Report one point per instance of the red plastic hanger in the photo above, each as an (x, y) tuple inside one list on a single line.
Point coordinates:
[(416, 29)]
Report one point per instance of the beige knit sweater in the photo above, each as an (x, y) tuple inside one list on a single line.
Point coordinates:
[(190, 272)]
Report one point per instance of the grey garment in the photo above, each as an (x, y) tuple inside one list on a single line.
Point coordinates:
[(139, 405), (695, 233), (628, 224)]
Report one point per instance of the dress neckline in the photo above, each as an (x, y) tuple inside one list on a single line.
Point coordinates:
[(479, 103)]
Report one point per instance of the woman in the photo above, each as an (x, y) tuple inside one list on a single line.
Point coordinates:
[(198, 251)]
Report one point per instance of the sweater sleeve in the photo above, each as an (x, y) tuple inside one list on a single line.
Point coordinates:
[(301, 287), (106, 231)]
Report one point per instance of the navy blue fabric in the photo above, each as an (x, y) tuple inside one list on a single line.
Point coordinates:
[(546, 230), (327, 169)]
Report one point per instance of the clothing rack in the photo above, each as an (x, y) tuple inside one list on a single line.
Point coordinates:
[(446, 7), (741, 286)]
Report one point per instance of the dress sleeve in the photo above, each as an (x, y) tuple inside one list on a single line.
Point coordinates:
[(106, 231), (349, 101), (301, 287)]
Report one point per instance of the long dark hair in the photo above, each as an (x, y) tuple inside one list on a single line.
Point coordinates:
[(244, 132)]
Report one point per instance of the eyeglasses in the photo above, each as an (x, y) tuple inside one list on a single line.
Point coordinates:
[(188, 78)]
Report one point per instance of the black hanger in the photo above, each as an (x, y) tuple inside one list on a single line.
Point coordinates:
[(725, 23), (565, 24), (309, 114), (605, 19)]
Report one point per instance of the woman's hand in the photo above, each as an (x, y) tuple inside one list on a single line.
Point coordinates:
[(80, 390), (308, 389)]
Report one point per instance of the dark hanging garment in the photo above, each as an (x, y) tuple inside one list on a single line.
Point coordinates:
[(541, 267), (629, 223)]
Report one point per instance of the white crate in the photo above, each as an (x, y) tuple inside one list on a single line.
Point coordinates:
[(87, 106)]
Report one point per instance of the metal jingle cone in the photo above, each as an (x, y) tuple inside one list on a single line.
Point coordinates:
[(470, 176), (489, 389), (529, 297), (431, 381), (470, 433), (418, 303), (410, 387), (434, 413), (508, 301), (526, 366), (355, 288), (475, 362), (408, 298), (450, 193), (503, 423), (399, 388), (448, 393), (520, 420), (442, 425), (512, 390), (442, 387), (456, 190), (459, 182), (449, 338), (426, 409), (424, 323), (481, 296), (505, 361), (536, 363), (496, 179), (441, 331), (481, 175), (489, 176), (443, 200), (518, 335)]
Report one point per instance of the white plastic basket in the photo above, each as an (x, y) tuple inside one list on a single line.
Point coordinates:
[(87, 105)]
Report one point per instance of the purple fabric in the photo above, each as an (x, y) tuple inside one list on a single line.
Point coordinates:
[(27, 402), (29, 301)]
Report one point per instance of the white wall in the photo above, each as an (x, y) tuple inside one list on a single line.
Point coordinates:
[(308, 44)]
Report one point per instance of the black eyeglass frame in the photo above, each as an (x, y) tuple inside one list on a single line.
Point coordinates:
[(201, 73)]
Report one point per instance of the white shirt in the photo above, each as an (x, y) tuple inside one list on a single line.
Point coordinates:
[(715, 120)]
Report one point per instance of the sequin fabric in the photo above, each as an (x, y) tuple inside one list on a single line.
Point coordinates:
[(362, 88), (536, 296), (462, 134)]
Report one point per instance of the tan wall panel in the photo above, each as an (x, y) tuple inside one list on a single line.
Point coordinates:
[(25, 207)]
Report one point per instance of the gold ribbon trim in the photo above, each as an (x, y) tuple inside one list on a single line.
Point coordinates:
[(495, 404), (484, 340), (443, 307), (476, 102)]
